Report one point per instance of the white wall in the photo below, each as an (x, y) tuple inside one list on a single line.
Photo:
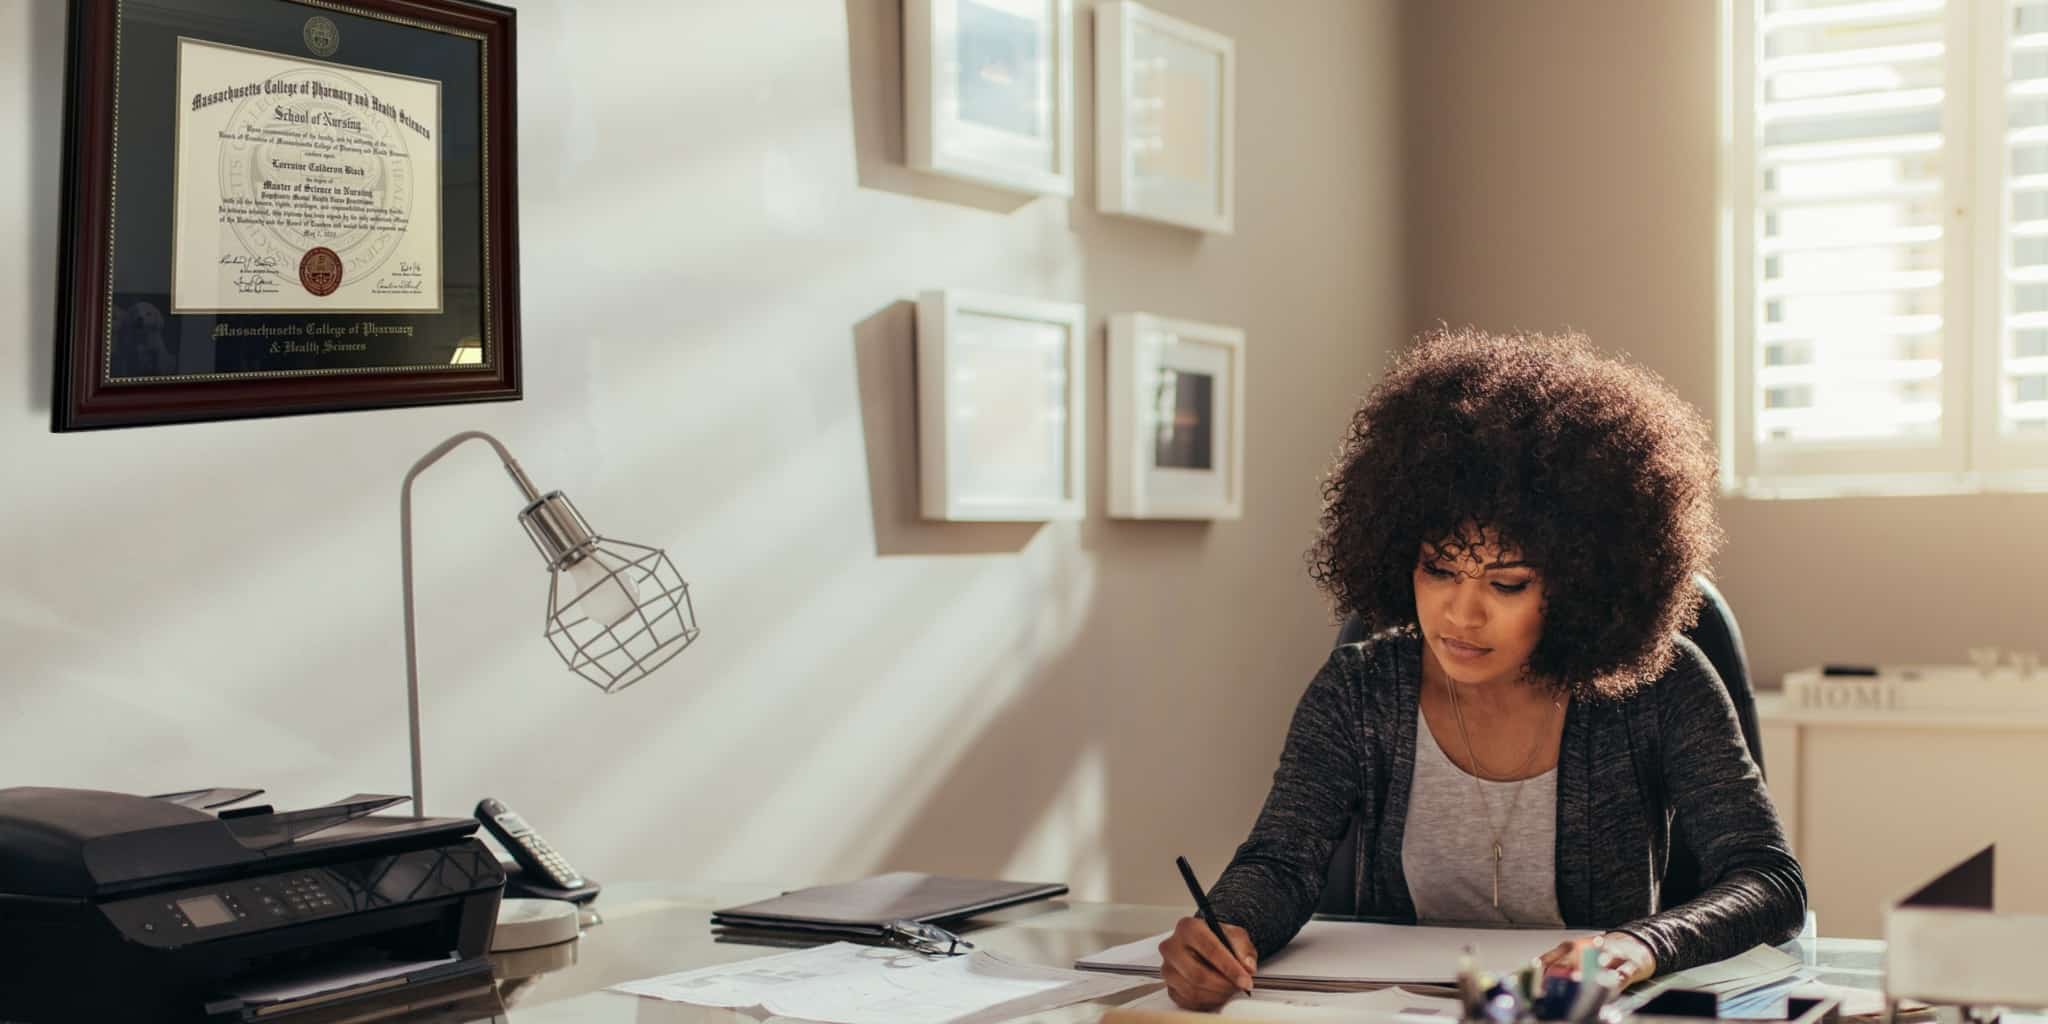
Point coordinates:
[(719, 245)]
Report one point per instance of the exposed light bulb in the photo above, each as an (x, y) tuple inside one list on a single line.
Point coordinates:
[(607, 597)]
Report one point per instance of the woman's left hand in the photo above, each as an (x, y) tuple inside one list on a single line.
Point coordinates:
[(1620, 952)]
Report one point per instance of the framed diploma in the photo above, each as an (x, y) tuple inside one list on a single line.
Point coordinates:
[(286, 206)]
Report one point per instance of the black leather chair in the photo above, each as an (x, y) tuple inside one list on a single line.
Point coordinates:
[(1719, 639)]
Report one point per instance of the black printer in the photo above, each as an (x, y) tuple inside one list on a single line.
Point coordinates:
[(119, 907)]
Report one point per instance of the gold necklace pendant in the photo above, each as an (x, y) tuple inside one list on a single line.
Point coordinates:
[(1478, 772), (1496, 874)]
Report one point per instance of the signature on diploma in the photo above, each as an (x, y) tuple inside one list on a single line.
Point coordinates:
[(408, 279), (253, 275)]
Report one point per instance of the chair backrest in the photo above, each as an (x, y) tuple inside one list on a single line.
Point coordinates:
[(1718, 638), (1721, 641)]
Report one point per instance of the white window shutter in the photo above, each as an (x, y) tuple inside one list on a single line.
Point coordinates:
[(1852, 297), (1887, 253), (2011, 425)]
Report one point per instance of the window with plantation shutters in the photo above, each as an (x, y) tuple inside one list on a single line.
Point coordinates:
[(1886, 180), (2021, 360)]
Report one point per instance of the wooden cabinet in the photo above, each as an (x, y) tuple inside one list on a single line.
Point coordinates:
[(1877, 803)]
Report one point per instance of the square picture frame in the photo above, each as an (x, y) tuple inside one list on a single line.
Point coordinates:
[(1165, 119), (988, 92), (1176, 418), (1001, 386)]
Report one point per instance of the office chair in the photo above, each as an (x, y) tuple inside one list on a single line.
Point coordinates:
[(1719, 639)]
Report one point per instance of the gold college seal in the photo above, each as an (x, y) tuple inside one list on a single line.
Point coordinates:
[(322, 36), (320, 271)]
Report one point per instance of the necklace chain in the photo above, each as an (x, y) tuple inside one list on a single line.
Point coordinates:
[(1472, 755), (1479, 771)]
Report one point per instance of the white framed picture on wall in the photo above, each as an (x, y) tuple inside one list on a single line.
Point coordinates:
[(1176, 419), (1001, 387), (988, 90), (1165, 118)]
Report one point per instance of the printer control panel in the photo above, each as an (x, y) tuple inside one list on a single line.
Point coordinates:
[(195, 915), (260, 903), (310, 894)]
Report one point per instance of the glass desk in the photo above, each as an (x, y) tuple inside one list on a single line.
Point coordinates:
[(650, 929)]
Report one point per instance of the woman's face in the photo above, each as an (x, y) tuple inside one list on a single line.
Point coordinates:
[(1481, 611)]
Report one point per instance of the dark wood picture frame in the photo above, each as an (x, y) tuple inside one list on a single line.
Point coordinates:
[(118, 223)]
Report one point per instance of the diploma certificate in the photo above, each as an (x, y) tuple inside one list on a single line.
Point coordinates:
[(303, 186), (279, 207)]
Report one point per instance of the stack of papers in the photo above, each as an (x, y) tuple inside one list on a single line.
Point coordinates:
[(845, 983), (1761, 969), (1345, 956), (1756, 984)]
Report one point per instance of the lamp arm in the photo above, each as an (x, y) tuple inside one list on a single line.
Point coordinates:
[(412, 675)]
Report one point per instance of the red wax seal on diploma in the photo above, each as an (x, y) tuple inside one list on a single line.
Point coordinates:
[(320, 271)]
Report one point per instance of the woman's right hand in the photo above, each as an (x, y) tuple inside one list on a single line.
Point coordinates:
[(1200, 974)]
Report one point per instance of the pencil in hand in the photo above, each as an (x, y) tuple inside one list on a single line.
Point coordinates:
[(1187, 874)]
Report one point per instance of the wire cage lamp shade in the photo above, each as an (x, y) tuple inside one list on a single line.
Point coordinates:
[(616, 610)]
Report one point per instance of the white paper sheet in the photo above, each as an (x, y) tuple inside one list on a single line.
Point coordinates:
[(1385, 1006), (846, 983), (1338, 953)]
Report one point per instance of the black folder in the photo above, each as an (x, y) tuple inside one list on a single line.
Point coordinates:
[(867, 906)]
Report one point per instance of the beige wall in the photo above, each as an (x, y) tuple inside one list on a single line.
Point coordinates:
[(1562, 160), (720, 244)]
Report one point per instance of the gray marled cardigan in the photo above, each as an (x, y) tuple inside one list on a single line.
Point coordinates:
[(1625, 768)]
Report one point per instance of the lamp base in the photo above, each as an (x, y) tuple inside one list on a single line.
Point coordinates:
[(525, 924)]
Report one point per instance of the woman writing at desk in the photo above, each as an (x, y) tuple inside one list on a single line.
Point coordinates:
[(1518, 520)]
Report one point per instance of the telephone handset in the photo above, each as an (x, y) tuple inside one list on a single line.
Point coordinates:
[(535, 857)]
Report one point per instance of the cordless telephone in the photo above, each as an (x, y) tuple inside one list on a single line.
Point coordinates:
[(532, 853)]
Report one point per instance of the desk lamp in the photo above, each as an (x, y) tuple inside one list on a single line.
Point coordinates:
[(616, 610)]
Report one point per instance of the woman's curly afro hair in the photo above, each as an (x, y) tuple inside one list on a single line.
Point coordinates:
[(1590, 468)]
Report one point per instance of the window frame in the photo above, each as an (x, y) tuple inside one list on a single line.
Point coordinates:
[(1968, 453)]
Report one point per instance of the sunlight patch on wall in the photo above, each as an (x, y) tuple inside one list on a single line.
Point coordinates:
[(1070, 841)]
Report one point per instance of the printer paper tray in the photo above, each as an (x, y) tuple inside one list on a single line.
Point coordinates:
[(351, 992)]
